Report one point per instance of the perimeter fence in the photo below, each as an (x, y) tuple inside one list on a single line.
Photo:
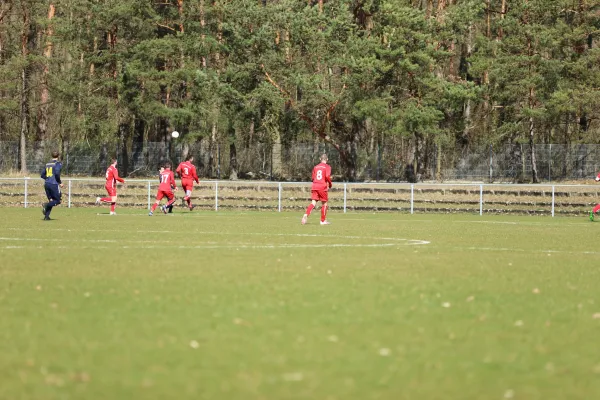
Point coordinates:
[(392, 161), (475, 198)]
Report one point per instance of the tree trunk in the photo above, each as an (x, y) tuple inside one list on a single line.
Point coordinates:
[(5, 8), (233, 165), (212, 158), (202, 27), (276, 156), (24, 119), (103, 156), (349, 158), (523, 165), (412, 166), (438, 163), (185, 150), (124, 133), (502, 14), (42, 125), (25, 116), (145, 152), (251, 133), (429, 9), (467, 121), (534, 172), (3, 12), (488, 34), (465, 73)]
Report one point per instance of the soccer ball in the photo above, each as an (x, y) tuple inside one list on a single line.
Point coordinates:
[(175, 134)]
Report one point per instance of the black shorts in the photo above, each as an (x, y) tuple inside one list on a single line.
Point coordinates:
[(52, 192)]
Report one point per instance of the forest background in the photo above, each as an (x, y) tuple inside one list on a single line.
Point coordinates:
[(391, 89)]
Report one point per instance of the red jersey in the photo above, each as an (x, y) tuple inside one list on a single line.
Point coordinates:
[(187, 170), (112, 176), (167, 181), (321, 176)]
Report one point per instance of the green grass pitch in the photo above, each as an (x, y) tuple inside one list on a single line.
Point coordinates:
[(250, 305)]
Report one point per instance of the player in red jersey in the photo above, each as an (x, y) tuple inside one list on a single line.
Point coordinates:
[(321, 178), (597, 208), (165, 189), (112, 177), (187, 171)]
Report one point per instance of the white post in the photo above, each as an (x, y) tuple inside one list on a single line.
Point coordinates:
[(480, 199), (345, 190), (279, 201), (26, 179), (216, 196), (553, 200), (412, 198), (149, 188), (69, 201)]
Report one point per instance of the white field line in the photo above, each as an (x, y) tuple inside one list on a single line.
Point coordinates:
[(205, 247), (530, 251), (214, 233), (175, 244)]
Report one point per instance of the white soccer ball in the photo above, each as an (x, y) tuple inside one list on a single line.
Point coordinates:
[(175, 134)]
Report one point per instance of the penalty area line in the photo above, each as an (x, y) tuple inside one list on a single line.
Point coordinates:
[(208, 246)]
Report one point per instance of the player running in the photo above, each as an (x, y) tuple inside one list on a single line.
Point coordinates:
[(165, 189), (597, 208), (187, 171), (112, 177), (321, 178), (52, 184)]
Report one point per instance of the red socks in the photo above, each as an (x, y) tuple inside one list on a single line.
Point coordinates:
[(112, 207), (153, 207), (106, 200), (323, 211)]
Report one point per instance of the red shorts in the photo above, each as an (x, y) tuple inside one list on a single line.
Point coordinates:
[(161, 193), (187, 184), (319, 195), (112, 191)]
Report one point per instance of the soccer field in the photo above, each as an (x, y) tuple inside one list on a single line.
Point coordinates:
[(250, 305)]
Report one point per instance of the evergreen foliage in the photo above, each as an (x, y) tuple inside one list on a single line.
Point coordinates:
[(448, 74)]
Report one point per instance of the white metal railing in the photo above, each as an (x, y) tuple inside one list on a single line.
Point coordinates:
[(282, 185)]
